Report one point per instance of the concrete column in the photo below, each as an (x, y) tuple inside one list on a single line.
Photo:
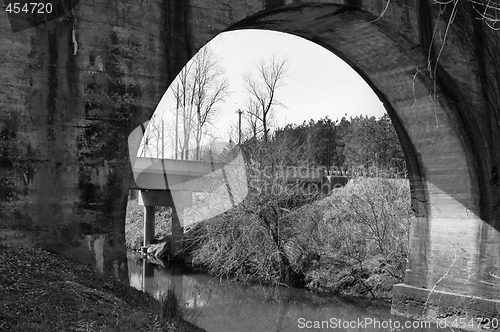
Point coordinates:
[(182, 200), (149, 224), (177, 230)]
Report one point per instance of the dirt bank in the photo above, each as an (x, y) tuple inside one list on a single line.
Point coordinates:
[(44, 292)]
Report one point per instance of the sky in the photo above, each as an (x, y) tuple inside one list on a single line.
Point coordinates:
[(317, 82)]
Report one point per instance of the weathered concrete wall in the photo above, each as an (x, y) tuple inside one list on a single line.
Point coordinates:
[(72, 91), (68, 105)]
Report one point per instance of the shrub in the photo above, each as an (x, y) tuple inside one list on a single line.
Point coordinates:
[(368, 218), (363, 237), (266, 238)]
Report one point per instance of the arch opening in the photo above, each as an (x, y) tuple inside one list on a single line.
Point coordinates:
[(306, 92), (446, 192), (309, 81), (444, 182)]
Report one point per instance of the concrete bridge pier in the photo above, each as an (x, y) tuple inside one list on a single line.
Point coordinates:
[(177, 200), (149, 224), (182, 200)]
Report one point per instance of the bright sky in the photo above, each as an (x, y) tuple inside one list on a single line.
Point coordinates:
[(317, 83)]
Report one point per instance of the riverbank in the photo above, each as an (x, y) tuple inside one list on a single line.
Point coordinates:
[(353, 242), (45, 292)]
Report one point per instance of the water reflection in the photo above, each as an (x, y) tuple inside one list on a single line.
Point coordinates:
[(104, 253), (228, 306)]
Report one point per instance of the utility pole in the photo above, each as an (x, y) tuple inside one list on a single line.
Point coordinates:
[(239, 126)]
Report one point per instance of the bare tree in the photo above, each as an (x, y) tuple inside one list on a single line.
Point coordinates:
[(151, 141), (177, 109), (251, 116), (184, 95), (263, 89), (199, 88), (210, 88)]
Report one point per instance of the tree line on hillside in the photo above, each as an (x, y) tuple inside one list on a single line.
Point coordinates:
[(356, 143)]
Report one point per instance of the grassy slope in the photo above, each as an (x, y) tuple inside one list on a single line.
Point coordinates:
[(44, 292)]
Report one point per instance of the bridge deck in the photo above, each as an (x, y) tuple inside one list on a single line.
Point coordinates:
[(191, 175)]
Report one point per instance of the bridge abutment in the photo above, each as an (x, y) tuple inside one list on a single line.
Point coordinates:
[(446, 309), (452, 273)]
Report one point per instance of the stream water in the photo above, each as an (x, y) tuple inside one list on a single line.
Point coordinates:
[(216, 305)]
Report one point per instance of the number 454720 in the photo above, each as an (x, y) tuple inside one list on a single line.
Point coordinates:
[(27, 8)]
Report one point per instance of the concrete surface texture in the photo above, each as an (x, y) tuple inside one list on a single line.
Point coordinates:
[(73, 89)]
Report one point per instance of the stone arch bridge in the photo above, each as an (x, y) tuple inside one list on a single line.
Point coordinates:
[(73, 89)]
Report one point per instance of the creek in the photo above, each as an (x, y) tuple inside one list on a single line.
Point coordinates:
[(219, 305)]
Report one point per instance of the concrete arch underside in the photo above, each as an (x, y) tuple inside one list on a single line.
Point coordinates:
[(74, 89), (448, 237)]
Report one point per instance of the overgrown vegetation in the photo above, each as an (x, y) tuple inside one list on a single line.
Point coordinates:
[(362, 239), (352, 242), (287, 233)]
